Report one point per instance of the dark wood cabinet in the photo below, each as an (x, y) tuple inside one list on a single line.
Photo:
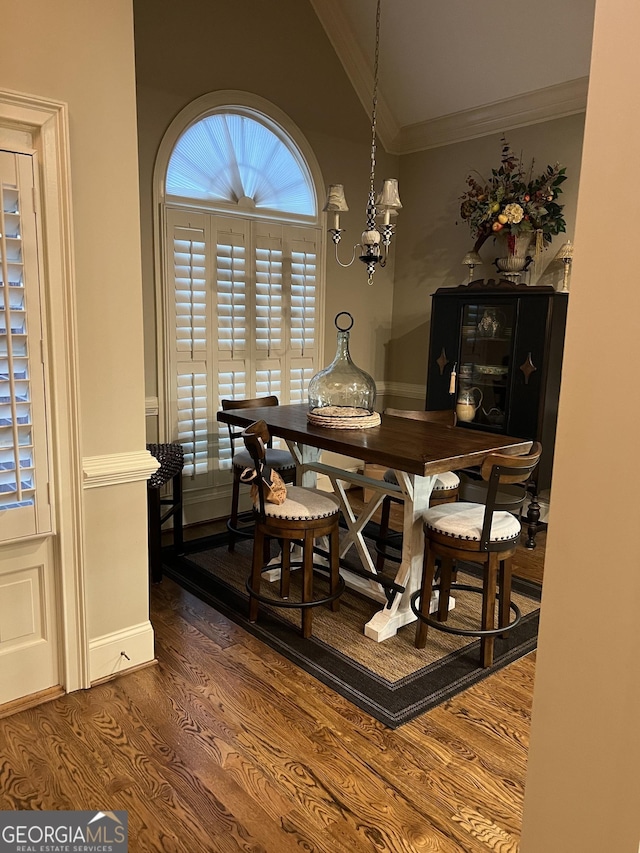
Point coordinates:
[(506, 341)]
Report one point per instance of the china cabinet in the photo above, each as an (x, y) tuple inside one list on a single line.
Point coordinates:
[(495, 355)]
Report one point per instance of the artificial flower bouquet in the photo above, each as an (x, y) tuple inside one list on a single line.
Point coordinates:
[(513, 203)]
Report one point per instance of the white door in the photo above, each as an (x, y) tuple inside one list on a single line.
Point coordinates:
[(28, 625)]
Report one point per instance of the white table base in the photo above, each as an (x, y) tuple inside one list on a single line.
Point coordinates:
[(415, 492)]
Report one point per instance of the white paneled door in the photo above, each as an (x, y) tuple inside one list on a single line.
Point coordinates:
[(28, 624)]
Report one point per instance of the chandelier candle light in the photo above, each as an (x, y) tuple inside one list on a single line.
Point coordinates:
[(374, 245)]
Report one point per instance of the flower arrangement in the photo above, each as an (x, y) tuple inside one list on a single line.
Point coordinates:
[(513, 202)]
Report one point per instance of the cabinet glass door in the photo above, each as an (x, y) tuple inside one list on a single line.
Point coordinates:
[(485, 361)]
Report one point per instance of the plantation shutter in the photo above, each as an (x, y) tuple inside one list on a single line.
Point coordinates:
[(189, 324), (302, 250), (24, 467), (233, 341), (269, 307), (245, 321)]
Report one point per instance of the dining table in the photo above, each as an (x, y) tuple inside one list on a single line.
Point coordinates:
[(417, 451)]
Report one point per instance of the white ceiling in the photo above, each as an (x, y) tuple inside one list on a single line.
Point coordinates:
[(461, 68)]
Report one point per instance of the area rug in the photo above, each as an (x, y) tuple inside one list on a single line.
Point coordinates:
[(393, 681)]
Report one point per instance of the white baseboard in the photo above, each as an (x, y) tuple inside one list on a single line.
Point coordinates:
[(106, 653), (401, 389)]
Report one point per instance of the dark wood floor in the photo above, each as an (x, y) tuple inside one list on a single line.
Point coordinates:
[(226, 746)]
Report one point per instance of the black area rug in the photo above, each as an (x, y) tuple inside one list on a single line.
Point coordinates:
[(216, 577)]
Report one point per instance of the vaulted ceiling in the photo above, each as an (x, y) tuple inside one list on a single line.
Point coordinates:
[(460, 69)]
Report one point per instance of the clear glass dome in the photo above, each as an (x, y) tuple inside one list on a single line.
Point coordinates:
[(342, 389)]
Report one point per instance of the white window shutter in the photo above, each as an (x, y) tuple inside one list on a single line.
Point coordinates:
[(246, 325), (233, 343), (232, 379), (304, 259), (188, 303), (190, 290), (232, 339), (24, 455), (268, 305), (301, 370), (301, 246), (192, 419)]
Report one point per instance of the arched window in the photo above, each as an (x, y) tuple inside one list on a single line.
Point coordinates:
[(239, 223), (238, 159)]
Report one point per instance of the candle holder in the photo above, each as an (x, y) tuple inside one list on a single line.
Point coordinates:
[(472, 260), (565, 254)]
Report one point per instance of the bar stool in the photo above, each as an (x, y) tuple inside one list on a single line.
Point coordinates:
[(304, 516), (171, 459), (486, 534), (241, 524)]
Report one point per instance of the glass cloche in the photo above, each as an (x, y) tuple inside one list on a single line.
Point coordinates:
[(342, 395)]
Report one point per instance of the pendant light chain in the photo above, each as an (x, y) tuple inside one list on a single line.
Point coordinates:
[(374, 111), (373, 248), (371, 205)]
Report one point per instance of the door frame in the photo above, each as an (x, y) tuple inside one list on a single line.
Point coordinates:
[(40, 126)]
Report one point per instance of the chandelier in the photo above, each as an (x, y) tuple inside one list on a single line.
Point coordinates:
[(374, 244)]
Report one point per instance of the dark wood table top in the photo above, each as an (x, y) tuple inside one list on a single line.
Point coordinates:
[(407, 445)]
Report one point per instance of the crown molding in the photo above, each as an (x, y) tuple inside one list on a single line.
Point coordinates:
[(552, 102), (358, 69)]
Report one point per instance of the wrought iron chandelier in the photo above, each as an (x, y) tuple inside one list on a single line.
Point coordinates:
[(374, 244)]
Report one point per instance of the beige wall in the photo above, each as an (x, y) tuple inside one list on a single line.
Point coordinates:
[(583, 789), (82, 54), (88, 64), (239, 46), (430, 243)]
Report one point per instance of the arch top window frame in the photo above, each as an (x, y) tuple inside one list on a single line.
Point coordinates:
[(275, 123), (240, 297)]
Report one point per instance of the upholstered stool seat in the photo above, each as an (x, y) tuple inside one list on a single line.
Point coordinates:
[(448, 481), (464, 521), (171, 459), (302, 505), (304, 516)]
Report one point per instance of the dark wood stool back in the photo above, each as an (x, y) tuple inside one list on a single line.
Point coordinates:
[(241, 524)]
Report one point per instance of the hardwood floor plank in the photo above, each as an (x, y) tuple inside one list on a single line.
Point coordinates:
[(288, 724), (227, 746), (330, 736)]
